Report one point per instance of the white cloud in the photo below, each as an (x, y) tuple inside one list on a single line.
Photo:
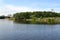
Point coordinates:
[(10, 9), (17, 8)]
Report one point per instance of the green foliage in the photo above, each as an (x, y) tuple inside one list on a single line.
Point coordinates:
[(44, 16), (37, 14)]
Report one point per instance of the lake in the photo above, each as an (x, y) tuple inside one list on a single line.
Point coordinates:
[(10, 30)]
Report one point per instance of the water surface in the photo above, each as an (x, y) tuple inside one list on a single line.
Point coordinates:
[(10, 30)]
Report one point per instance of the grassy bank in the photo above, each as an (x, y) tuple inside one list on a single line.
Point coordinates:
[(46, 20)]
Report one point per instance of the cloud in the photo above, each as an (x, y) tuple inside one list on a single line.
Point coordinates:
[(17, 8), (6, 9), (10, 9)]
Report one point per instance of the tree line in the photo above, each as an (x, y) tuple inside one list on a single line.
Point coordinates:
[(3, 17), (36, 14)]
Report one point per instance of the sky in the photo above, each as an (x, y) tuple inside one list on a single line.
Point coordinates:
[(13, 6)]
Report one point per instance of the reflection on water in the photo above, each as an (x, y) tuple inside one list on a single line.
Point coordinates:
[(10, 30)]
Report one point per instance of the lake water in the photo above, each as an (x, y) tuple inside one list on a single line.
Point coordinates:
[(15, 31)]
